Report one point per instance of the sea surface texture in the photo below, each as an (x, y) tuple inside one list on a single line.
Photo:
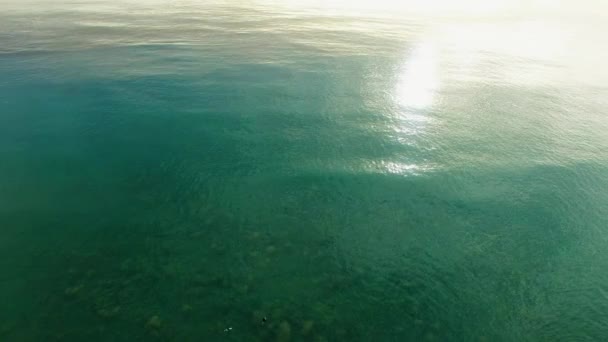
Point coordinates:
[(297, 171)]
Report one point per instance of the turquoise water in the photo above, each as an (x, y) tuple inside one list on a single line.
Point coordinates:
[(181, 171)]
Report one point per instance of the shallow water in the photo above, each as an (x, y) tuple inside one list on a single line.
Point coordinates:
[(181, 171)]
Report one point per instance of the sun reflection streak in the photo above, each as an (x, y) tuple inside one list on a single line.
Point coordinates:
[(418, 81), (415, 92), (403, 169)]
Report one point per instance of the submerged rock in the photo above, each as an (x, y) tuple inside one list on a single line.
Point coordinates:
[(71, 291), (257, 316), (307, 327), (154, 323), (108, 312), (284, 332), (7, 328), (243, 289)]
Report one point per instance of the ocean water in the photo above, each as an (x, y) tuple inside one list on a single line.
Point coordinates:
[(297, 171)]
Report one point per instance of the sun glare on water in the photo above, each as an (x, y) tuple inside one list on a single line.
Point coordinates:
[(398, 5)]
